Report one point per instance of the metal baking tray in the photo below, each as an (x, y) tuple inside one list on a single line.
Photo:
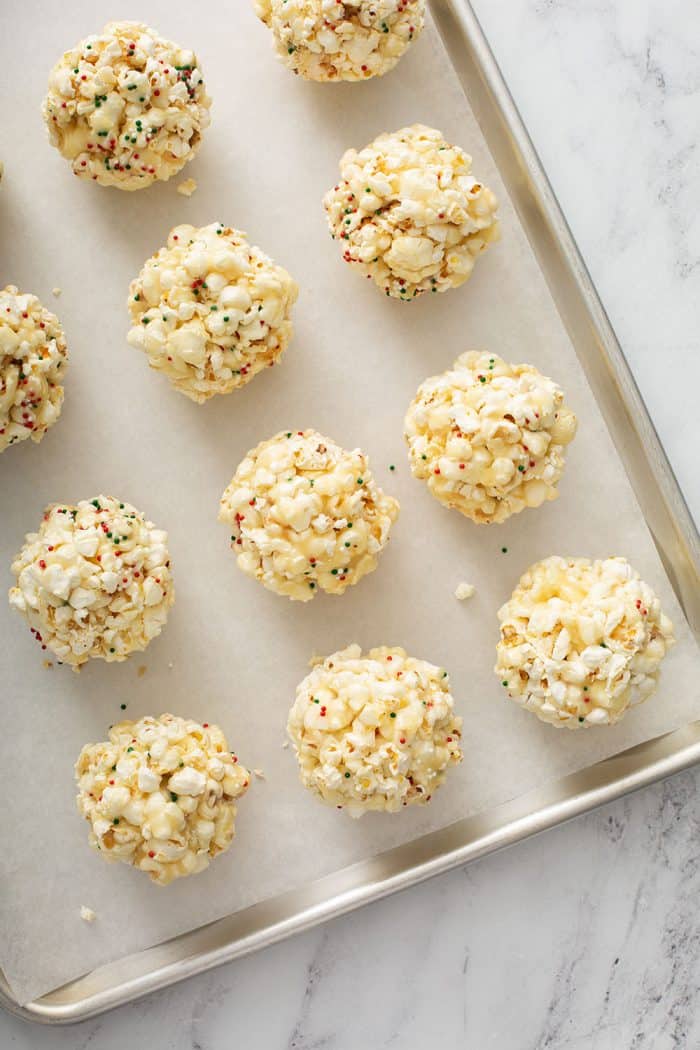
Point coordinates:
[(669, 521)]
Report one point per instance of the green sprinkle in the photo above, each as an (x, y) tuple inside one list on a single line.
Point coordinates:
[(347, 544), (173, 796), (347, 776), (96, 503), (129, 749), (334, 572), (123, 707), (521, 468), (315, 700), (504, 683), (504, 550), (393, 714), (580, 719), (225, 317), (392, 467), (360, 481), (116, 820)]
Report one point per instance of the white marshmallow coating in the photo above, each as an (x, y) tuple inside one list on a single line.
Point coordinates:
[(581, 641), (160, 795), (306, 515), (94, 581), (126, 107), (33, 358), (488, 437), (408, 213), (210, 310), (350, 40), (376, 732)]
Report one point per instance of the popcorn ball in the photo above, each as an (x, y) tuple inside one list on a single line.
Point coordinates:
[(376, 732), (160, 795), (210, 311), (94, 581), (126, 107), (581, 641), (306, 515), (33, 358), (488, 437), (408, 214), (332, 40)]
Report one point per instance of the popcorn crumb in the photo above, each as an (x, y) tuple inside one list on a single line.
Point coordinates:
[(170, 666), (48, 665), (464, 591), (56, 292), (142, 670), (187, 187), (259, 774), (285, 744), (87, 914)]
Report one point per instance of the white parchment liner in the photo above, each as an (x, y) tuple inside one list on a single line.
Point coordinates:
[(233, 653)]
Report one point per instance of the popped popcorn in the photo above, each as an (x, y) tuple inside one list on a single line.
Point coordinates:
[(306, 515), (160, 795), (488, 437), (126, 107), (33, 358), (581, 641), (210, 311), (94, 581), (374, 732), (87, 914), (187, 187), (408, 213), (463, 591), (332, 40)]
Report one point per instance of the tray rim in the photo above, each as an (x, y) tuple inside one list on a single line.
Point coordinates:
[(667, 516)]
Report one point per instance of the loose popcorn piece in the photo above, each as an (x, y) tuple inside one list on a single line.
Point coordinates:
[(33, 359), (187, 187), (160, 794), (126, 107), (56, 292), (94, 581), (581, 641), (210, 310), (488, 437), (464, 591), (354, 40), (375, 732), (306, 515), (408, 213), (87, 914)]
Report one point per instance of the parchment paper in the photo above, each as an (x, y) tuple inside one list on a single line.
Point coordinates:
[(232, 652)]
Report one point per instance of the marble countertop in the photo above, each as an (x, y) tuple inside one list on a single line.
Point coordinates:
[(586, 938)]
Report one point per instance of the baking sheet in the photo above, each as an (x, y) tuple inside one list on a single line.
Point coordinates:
[(232, 652)]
